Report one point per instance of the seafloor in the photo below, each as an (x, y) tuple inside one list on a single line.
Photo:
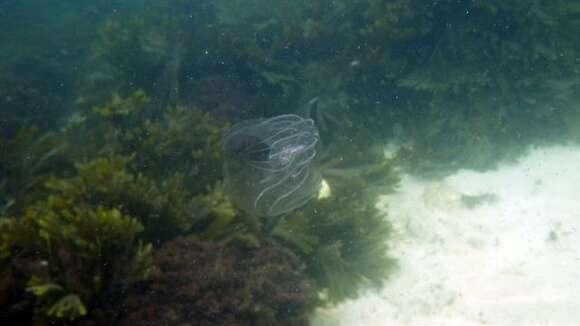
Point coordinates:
[(491, 248)]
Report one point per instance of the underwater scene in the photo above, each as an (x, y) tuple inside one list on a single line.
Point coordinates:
[(324, 163)]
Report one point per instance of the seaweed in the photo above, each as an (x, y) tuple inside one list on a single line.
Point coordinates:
[(458, 83), (113, 127), (138, 51), (74, 260), (471, 108), (344, 243), (344, 238), (169, 53), (395, 63), (27, 159), (101, 194), (162, 141), (162, 207)]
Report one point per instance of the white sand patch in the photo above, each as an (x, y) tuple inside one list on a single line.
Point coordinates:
[(494, 248)]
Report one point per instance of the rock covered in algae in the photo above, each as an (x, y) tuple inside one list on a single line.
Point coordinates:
[(204, 283)]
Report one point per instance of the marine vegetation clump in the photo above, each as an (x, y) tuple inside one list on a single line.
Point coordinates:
[(163, 141), (208, 283), (392, 65), (460, 106), (65, 261), (162, 207), (344, 243), (217, 220), (27, 159), (420, 69), (171, 50), (128, 55), (466, 140), (340, 235), (344, 238), (83, 208), (181, 54)]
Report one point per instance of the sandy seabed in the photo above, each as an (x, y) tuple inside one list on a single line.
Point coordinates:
[(494, 248)]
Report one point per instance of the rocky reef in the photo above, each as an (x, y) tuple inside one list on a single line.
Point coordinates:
[(112, 204), (204, 283)]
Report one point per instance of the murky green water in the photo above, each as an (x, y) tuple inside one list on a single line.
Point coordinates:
[(255, 162)]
